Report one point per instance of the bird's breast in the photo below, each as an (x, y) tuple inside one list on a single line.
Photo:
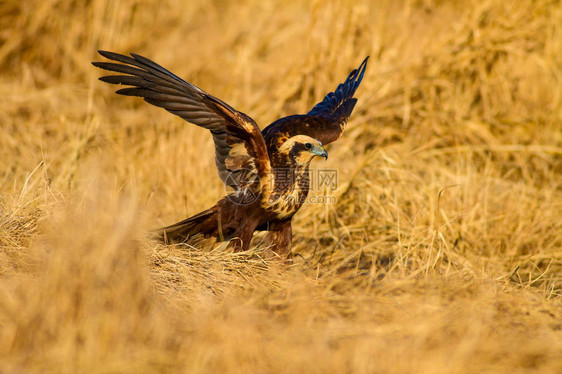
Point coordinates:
[(288, 194)]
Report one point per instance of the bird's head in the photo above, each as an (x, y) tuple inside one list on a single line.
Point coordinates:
[(302, 149)]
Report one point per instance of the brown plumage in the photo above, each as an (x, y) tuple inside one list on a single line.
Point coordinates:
[(267, 171)]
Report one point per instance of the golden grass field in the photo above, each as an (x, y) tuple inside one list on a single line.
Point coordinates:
[(442, 254)]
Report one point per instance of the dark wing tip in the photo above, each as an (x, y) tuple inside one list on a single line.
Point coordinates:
[(112, 55), (107, 54), (102, 53), (356, 75), (361, 69), (102, 64), (336, 103)]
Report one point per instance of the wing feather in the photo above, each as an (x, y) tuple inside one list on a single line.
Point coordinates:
[(240, 151), (333, 102), (326, 121)]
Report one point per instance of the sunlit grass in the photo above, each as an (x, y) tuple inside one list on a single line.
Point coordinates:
[(441, 253)]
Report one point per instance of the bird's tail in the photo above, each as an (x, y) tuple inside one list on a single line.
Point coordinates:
[(201, 223)]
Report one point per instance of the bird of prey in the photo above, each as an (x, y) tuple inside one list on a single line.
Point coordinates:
[(255, 165)]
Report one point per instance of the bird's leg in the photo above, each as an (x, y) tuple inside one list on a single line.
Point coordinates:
[(279, 239), (241, 239)]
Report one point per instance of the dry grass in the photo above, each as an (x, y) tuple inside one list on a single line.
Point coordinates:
[(443, 253)]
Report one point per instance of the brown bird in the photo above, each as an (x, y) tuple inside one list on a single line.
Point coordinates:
[(267, 171)]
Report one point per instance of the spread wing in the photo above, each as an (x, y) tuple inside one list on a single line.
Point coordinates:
[(240, 152), (339, 104), (326, 121)]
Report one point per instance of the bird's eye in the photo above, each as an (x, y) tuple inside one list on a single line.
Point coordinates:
[(308, 145)]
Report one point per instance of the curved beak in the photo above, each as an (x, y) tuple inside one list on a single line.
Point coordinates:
[(320, 151)]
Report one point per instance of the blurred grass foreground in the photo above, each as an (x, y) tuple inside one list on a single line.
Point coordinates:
[(442, 252)]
